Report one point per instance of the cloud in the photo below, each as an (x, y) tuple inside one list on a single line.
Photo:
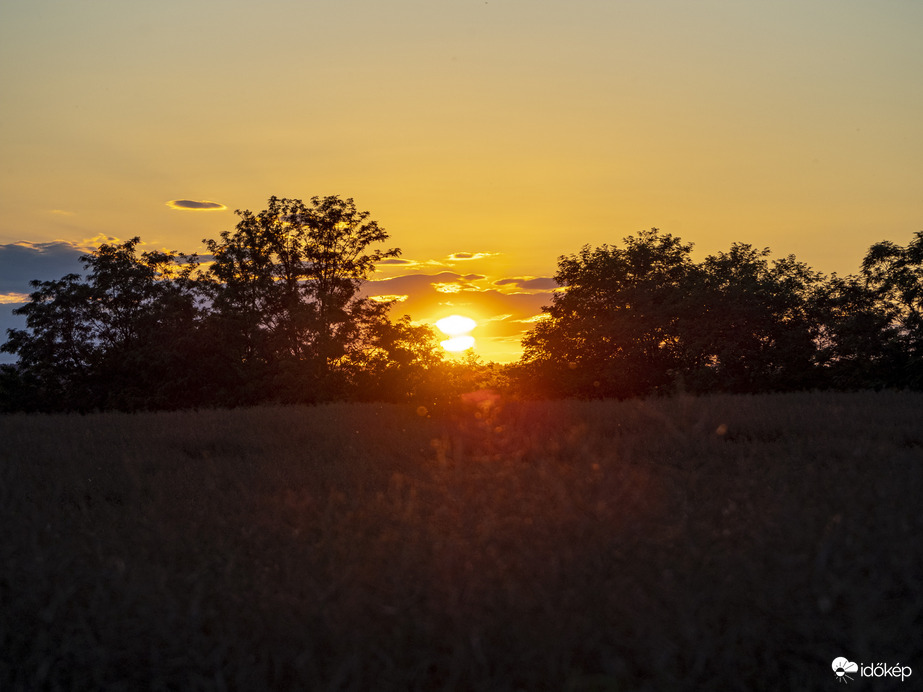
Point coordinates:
[(390, 298), (528, 283), (450, 287), (534, 318), (189, 204), (23, 262), (465, 256), (388, 267), (460, 283)]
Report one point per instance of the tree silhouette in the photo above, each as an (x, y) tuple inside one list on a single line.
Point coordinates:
[(895, 275), (613, 331), (284, 287), (645, 318), (115, 339), (751, 323), (391, 361), (859, 346)]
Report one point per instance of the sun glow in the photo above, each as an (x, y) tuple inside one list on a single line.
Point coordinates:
[(457, 327), (458, 343)]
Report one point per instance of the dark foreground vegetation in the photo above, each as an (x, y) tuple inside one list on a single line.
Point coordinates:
[(715, 543)]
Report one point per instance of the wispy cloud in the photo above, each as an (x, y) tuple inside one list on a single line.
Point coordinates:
[(466, 256), (534, 318), (390, 298), (460, 283), (194, 205), (400, 265), (527, 283), (91, 244), (450, 287)]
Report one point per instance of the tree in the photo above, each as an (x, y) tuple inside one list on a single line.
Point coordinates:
[(114, 339), (284, 287), (895, 276), (392, 361), (859, 345), (645, 318), (613, 328), (751, 323)]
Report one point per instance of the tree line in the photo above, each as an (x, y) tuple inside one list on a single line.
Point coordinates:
[(646, 318), (276, 315)]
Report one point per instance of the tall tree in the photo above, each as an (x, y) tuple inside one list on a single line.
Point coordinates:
[(613, 328), (753, 322), (859, 344), (895, 274), (645, 318), (285, 288), (114, 339)]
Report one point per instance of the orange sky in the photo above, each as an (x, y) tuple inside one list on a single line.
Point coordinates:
[(511, 130)]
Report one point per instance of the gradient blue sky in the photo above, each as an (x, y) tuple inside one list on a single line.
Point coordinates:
[(513, 131)]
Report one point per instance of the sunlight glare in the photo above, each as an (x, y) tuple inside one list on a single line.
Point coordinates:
[(456, 325), (458, 343)]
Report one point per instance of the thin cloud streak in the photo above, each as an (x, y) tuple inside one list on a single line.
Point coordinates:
[(466, 256), (528, 283), (193, 205)]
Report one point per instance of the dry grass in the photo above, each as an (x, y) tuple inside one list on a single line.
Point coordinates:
[(688, 543)]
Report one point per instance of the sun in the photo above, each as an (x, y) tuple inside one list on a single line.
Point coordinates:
[(456, 325), (457, 328)]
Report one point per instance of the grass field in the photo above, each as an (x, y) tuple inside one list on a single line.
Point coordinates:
[(717, 543)]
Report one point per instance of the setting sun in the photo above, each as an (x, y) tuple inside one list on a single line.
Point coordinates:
[(457, 327), (458, 343)]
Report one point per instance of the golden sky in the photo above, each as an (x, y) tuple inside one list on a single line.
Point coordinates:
[(488, 138)]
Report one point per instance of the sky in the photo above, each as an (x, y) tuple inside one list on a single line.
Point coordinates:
[(487, 137)]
